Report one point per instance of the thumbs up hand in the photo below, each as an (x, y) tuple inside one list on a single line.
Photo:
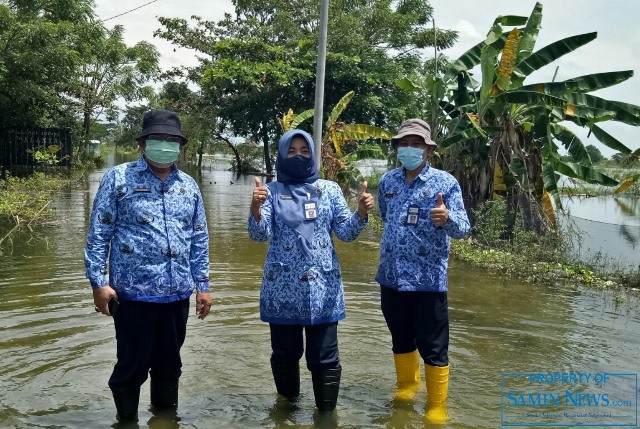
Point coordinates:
[(365, 201), (260, 193), (440, 213)]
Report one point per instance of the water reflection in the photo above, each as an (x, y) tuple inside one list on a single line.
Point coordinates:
[(609, 230), (58, 354)]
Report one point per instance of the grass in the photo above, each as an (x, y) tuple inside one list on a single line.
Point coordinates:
[(24, 202), (538, 259)]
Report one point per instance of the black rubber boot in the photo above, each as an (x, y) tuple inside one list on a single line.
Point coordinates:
[(126, 404), (287, 379), (164, 394), (326, 385)]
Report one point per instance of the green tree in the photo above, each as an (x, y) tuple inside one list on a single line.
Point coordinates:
[(594, 154), (197, 116), (39, 56), (111, 70), (128, 127), (261, 61)]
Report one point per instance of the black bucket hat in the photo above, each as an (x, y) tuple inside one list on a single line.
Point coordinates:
[(414, 127), (159, 121)]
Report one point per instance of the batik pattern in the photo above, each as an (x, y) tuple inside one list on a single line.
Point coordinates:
[(296, 290), (415, 257), (153, 233)]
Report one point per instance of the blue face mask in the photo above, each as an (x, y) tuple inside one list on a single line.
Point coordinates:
[(410, 157), (162, 152)]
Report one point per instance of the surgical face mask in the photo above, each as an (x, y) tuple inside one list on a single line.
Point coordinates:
[(410, 157), (162, 152)]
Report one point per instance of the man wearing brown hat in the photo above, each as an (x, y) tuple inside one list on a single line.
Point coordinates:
[(422, 209), (148, 222)]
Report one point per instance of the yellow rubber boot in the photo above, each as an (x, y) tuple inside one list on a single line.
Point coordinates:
[(437, 381), (408, 374)]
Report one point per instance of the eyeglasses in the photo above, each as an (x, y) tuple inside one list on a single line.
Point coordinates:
[(165, 138)]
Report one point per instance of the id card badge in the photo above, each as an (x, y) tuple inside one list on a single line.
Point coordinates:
[(310, 211), (412, 215)]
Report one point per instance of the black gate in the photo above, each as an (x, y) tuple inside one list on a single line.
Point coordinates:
[(34, 147)]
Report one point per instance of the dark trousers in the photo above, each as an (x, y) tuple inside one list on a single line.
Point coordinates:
[(418, 320), (322, 345), (149, 337)]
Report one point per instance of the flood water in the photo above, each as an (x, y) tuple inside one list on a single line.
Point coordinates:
[(57, 353), (609, 230)]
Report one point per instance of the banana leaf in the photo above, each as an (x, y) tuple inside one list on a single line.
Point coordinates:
[(593, 115), (298, 119), (408, 85), (529, 97), (550, 179), (609, 141), (519, 169), (572, 144), (585, 83), (593, 82), (510, 20), (339, 108), (627, 183), (366, 152), (487, 64), (530, 33), (472, 57), (365, 132), (552, 52), (631, 108), (468, 134), (622, 111), (589, 175)]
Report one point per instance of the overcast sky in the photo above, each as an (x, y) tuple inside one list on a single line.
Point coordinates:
[(616, 48)]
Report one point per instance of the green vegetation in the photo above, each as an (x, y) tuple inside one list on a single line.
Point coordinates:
[(531, 257), (25, 202), (260, 63), (503, 127)]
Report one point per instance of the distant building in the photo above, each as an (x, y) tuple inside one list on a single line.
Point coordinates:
[(94, 146)]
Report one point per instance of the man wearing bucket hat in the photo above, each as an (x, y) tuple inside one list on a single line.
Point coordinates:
[(422, 209), (148, 222)]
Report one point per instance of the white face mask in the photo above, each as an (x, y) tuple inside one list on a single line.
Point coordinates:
[(410, 157)]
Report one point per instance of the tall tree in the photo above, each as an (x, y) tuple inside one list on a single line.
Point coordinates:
[(112, 70), (594, 153), (261, 61), (39, 57)]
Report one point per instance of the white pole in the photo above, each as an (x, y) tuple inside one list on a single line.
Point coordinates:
[(320, 66)]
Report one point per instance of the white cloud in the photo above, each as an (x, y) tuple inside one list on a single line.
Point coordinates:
[(616, 48)]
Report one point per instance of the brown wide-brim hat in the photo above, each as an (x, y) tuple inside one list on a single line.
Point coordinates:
[(414, 127), (159, 121)]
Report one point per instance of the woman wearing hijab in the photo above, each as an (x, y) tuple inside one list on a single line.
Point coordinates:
[(302, 286)]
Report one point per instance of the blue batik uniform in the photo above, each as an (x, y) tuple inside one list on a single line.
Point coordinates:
[(414, 257), (297, 288), (154, 233)]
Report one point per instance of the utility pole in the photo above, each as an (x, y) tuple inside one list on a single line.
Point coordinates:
[(320, 69)]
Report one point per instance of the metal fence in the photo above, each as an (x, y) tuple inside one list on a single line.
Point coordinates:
[(34, 147)]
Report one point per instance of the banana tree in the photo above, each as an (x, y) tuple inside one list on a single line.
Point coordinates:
[(341, 143), (502, 123)]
